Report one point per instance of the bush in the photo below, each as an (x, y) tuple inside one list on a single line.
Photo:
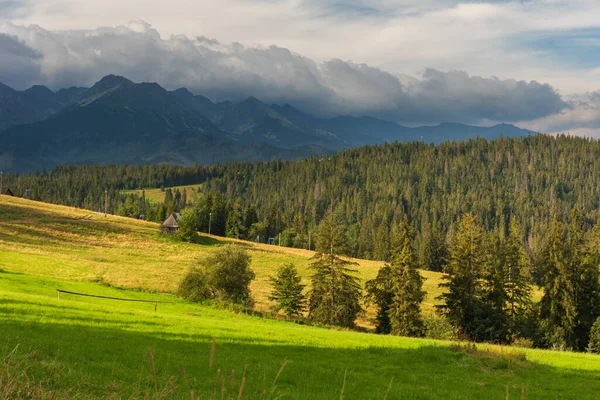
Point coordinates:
[(594, 344), (439, 327), (229, 273), (194, 286), (188, 225), (522, 342)]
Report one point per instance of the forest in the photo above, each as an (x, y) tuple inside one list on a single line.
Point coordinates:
[(370, 188), (497, 216)]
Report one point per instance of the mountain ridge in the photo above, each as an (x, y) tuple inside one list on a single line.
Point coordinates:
[(120, 121)]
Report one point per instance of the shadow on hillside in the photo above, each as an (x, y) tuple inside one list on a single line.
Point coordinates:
[(57, 228), (103, 360)]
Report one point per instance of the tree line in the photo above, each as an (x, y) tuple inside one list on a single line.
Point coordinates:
[(487, 291), (370, 188), (520, 195)]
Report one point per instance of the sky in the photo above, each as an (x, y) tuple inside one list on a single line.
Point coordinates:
[(534, 63)]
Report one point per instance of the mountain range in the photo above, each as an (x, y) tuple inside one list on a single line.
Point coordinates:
[(119, 121)]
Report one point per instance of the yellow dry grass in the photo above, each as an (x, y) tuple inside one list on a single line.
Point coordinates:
[(158, 195), (68, 243)]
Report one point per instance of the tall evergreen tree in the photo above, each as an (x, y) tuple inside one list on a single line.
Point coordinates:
[(407, 287), (380, 292), (233, 225), (516, 278), (335, 293), (583, 265), (287, 291), (331, 236), (558, 307), (464, 290)]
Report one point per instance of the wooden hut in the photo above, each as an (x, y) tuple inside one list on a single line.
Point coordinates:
[(6, 191), (171, 224)]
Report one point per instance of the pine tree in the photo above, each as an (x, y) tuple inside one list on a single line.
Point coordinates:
[(407, 287), (380, 292), (469, 258), (584, 262), (331, 236), (287, 291), (233, 225), (517, 282), (335, 293), (558, 308), (381, 249), (434, 252)]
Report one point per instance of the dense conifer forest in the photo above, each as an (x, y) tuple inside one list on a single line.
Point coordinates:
[(370, 188), (496, 216)]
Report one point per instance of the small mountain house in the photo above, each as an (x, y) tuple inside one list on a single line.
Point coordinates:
[(171, 224), (6, 191)]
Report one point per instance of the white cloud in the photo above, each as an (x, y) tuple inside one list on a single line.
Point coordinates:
[(402, 36), (275, 74), (581, 118), (402, 43)]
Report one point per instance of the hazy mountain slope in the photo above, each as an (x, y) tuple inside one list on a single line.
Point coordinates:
[(357, 131), (33, 104), (118, 121)]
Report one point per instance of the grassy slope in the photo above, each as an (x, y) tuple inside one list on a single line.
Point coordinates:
[(158, 196), (98, 347), (60, 242)]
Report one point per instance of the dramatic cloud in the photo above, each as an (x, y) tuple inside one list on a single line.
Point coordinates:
[(582, 117), (19, 63), (275, 74)]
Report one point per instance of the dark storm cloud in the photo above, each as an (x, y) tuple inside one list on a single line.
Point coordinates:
[(273, 74), (19, 63)]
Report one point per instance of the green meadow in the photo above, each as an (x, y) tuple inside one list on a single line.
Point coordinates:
[(86, 347), (158, 195)]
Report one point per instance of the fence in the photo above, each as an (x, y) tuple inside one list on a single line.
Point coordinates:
[(59, 291)]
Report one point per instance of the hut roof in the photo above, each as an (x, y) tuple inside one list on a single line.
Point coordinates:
[(172, 221), (6, 191)]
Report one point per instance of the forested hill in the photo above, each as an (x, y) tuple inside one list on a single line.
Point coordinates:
[(370, 189)]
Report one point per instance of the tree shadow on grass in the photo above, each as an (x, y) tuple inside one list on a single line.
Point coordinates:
[(104, 361)]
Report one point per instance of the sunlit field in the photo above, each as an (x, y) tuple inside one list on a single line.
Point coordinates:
[(84, 347)]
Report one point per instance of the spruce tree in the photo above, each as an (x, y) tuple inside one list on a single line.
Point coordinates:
[(558, 308), (517, 282), (334, 298), (464, 291), (287, 291), (584, 261), (380, 292), (407, 287), (233, 225)]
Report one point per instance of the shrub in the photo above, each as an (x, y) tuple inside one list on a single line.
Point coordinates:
[(194, 286), (229, 273), (188, 225), (522, 342), (439, 327)]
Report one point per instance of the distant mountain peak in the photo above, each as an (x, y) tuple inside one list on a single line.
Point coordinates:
[(183, 92), (111, 81)]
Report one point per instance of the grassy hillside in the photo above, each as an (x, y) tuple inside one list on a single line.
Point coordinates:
[(158, 195), (66, 243), (98, 348)]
